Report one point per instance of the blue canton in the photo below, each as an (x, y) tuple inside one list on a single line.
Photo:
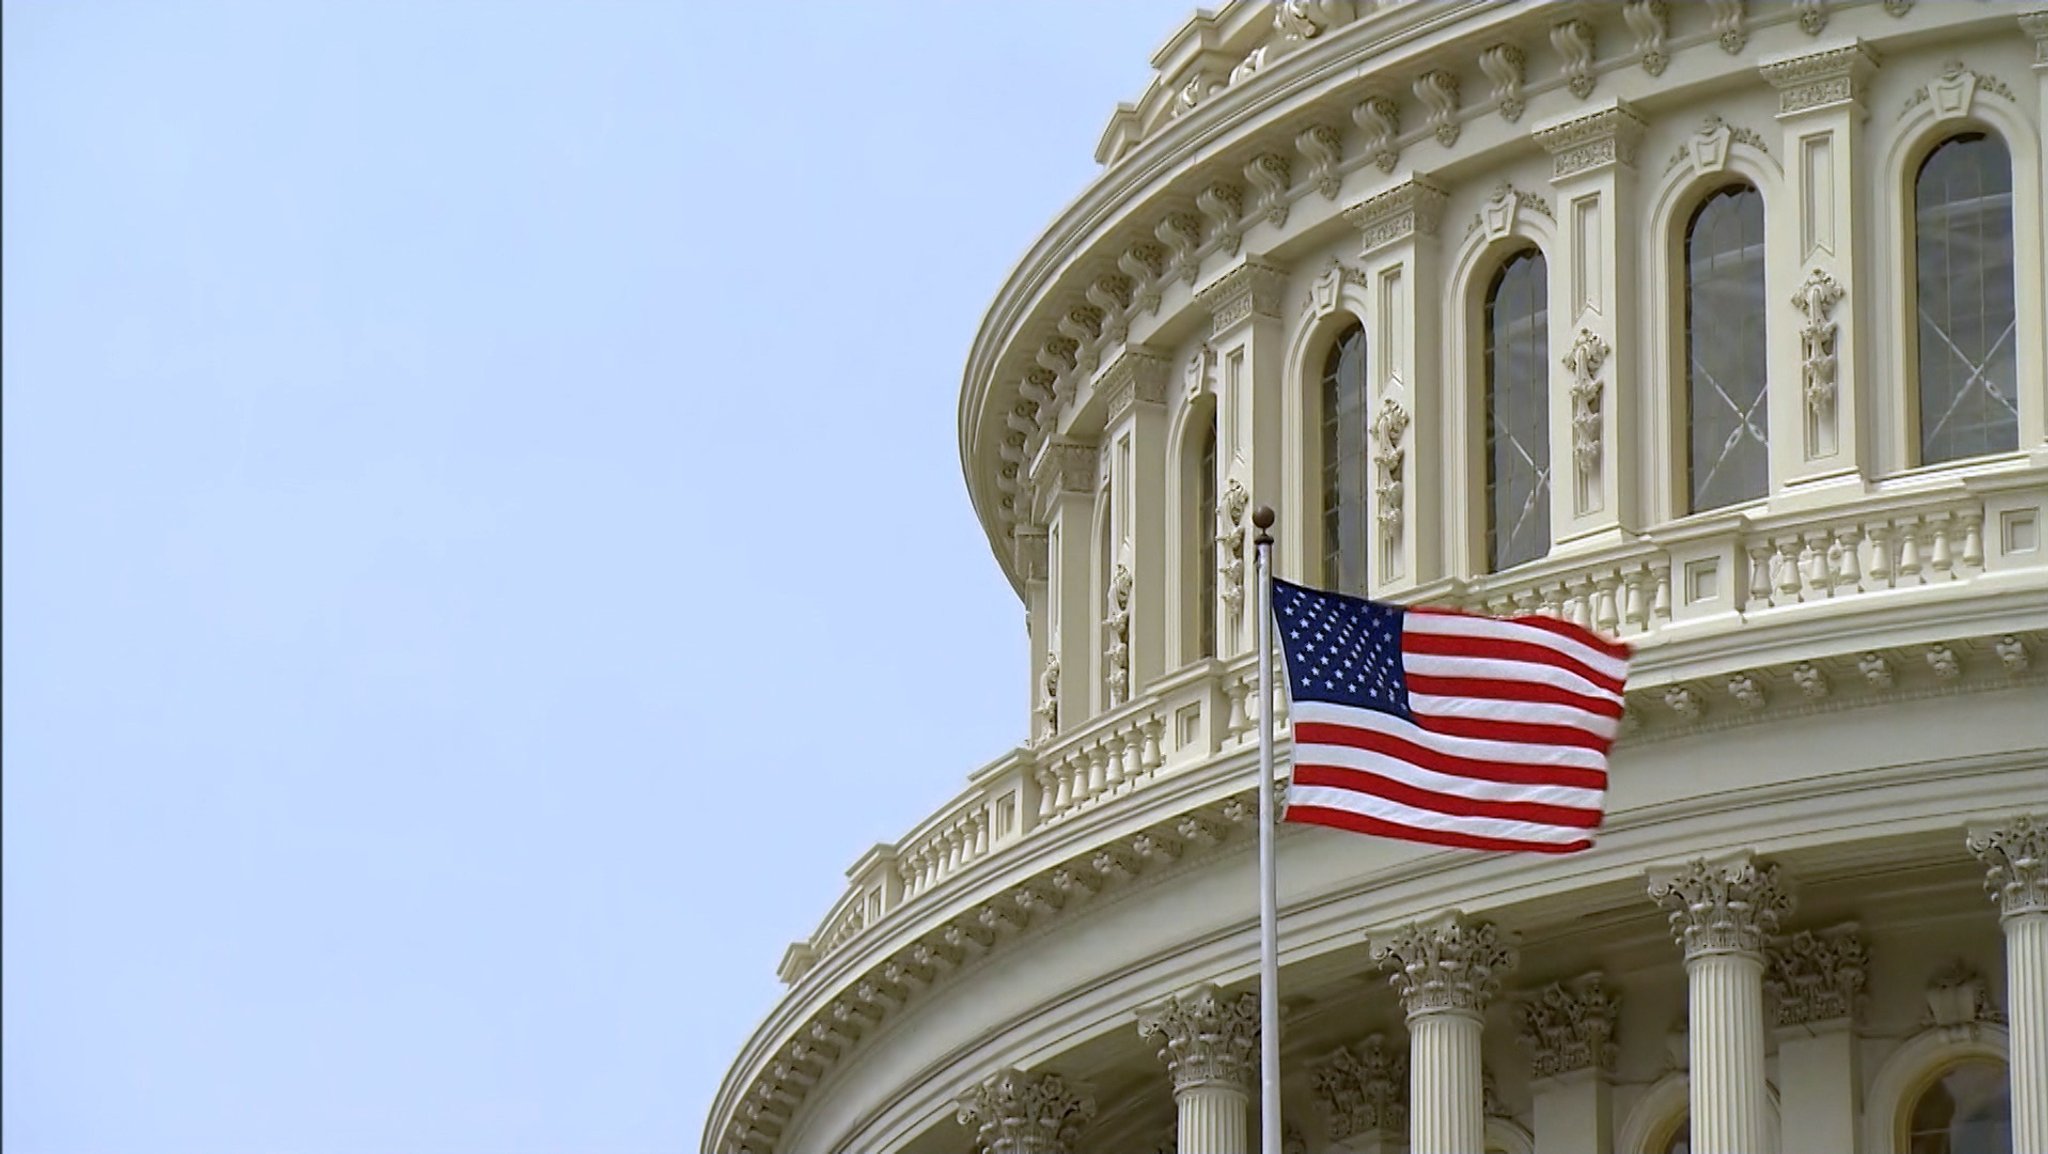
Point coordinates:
[(1340, 650)]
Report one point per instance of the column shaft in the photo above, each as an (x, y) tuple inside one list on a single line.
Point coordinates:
[(1213, 1118), (1444, 1089), (2026, 970), (1727, 1042)]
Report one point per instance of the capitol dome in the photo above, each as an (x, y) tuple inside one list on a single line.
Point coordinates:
[(1715, 327)]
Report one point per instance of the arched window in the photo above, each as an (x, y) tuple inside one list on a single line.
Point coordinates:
[(1680, 1141), (1967, 1110), (1963, 284), (1518, 411), (1345, 463), (1728, 425), (1204, 543)]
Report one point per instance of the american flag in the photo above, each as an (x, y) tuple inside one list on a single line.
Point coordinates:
[(1444, 727)]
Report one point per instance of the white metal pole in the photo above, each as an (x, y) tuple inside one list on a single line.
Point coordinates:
[(1269, 912)]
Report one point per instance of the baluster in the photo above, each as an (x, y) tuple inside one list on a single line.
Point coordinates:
[(1944, 557), (1880, 553), (1788, 578), (1812, 566), (1606, 614), (956, 847), (1760, 559), (1048, 786), (1134, 754), (1848, 571), (1660, 601), (908, 875), (1092, 783), (1973, 540), (1148, 755), (1234, 691), (1909, 551), (981, 835), (1063, 790), (1113, 761)]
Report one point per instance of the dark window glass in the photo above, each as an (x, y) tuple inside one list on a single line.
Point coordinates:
[(1963, 277), (1205, 544), (1968, 1110), (1681, 1141), (1724, 342), (1518, 412), (1345, 464)]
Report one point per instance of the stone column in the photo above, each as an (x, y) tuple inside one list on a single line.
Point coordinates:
[(1568, 1029), (1814, 980), (1018, 1113), (1721, 914), (2016, 854), (1445, 973), (1246, 341), (1210, 1044), (1063, 484), (1133, 388)]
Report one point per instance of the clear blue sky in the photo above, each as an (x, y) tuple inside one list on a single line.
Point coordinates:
[(484, 544)]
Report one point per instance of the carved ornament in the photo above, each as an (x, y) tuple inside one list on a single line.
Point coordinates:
[(1593, 142), (2016, 856), (1730, 908), (1570, 1026), (1412, 208), (1206, 1038), (1816, 977), (1363, 1089), (1137, 376), (1584, 361), (1821, 79), (1323, 148), (1816, 300), (1018, 1113), (1450, 966), (1389, 430), (1504, 65), (1251, 289)]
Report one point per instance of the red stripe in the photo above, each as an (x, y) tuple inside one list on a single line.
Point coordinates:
[(1503, 649), (1619, 650), (1525, 732), (1362, 781), (1327, 733), (1502, 689), (1359, 823)]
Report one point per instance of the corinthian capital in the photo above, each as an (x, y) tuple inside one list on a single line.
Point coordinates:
[(1730, 908), (1450, 966), (1206, 1038), (1815, 977), (1570, 1026), (2016, 856), (1019, 1113)]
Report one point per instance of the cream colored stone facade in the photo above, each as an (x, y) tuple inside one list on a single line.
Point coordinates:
[(1837, 736)]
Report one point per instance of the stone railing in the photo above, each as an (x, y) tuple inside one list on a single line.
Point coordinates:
[(1702, 577)]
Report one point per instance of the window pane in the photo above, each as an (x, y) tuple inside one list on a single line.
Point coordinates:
[(1205, 543), (1518, 412), (1345, 463), (1963, 274), (1967, 1111), (1724, 340)]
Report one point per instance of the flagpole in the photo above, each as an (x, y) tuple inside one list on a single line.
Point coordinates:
[(1269, 913)]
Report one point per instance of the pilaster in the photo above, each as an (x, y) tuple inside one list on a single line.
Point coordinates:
[(1819, 429), (1593, 466), (1445, 974), (1721, 915), (2015, 856), (1568, 1030), (1018, 1113), (1814, 980), (1063, 477), (1030, 551), (1210, 1044), (1245, 335), (1403, 277), (1133, 388)]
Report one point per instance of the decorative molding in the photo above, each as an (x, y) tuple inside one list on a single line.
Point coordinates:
[(1821, 79), (1381, 120), (1447, 966), (1954, 90), (1018, 1113), (1144, 264), (1594, 141), (1573, 40), (1413, 207), (1251, 289), (1111, 293), (1570, 1026), (1063, 466), (1813, 16), (1389, 428), (1729, 908), (1731, 25), (1816, 977), (1083, 326), (1270, 173), (1812, 683), (1584, 361), (1182, 236), (1707, 148), (1363, 1090), (1206, 1038), (1028, 550), (1138, 376), (1747, 691), (1230, 523), (1498, 215), (1199, 373), (1505, 66), (2015, 855), (1898, 7), (1816, 300), (1959, 1003), (1116, 627), (1326, 292), (1650, 21), (1438, 90), (2035, 24), (2012, 653), (1683, 701), (1323, 148)]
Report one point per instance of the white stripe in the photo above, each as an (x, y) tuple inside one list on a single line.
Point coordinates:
[(1494, 629), (1457, 785), (1475, 748), (1503, 669), (1395, 813), (1523, 712)]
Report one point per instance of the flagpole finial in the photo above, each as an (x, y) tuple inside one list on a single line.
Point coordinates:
[(1262, 519)]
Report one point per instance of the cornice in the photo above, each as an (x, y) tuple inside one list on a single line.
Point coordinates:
[(1414, 207)]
